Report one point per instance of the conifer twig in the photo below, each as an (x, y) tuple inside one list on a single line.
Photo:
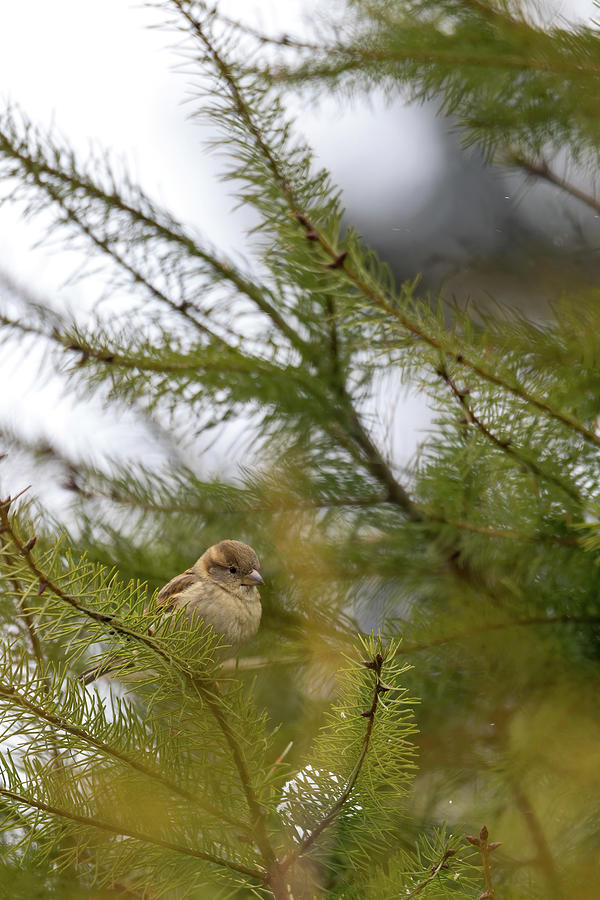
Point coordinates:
[(435, 871), (285, 40), (34, 640), (542, 170), (375, 665), (36, 168), (340, 262), (503, 533), (10, 694), (215, 704), (505, 445), (485, 848), (121, 831), (349, 58)]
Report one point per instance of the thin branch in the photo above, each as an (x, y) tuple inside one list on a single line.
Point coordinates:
[(237, 362), (502, 444), (240, 104), (502, 533), (215, 704), (378, 466), (119, 830), (283, 41), (336, 371), (181, 309), (376, 666), (11, 695), (350, 58), (374, 461), (485, 848), (107, 620), (542, 170), (226, 270), (435, 871), (29, 618)]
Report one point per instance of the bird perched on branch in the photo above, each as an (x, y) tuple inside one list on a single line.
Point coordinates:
[(220, 589)]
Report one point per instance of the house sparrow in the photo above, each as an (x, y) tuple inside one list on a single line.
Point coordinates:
[(220, 589)]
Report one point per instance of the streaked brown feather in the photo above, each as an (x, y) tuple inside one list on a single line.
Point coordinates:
[(174, 587)]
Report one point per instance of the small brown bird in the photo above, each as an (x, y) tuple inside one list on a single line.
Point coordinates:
[(220, 589)]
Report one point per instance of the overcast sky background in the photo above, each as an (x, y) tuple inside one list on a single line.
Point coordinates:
[(104, 78)]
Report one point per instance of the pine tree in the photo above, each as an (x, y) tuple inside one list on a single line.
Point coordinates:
[(295, 773)]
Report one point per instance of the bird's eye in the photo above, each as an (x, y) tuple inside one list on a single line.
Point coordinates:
[(232, 569)]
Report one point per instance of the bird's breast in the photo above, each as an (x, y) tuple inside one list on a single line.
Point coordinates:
[(235, 615)]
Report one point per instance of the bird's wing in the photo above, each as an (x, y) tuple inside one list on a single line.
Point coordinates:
[(173, 588)]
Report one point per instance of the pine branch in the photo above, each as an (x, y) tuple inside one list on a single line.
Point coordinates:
[(503, 533), (542, 170), (370, 455), (505, 446), (241, 107), (35, 168), (435, 871), (34, 640), (376, 666), (15, 698), (285, 40), (101, 825), (257, 810), (108, 621), (364, 58), (340, 263)]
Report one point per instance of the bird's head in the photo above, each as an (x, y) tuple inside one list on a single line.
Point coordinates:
[(232, 563)]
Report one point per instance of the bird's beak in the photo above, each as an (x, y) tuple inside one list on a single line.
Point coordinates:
[(253, 577)]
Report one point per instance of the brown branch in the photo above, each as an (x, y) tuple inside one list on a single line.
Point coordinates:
[(212, 699), (370, 455), (503, 444), (542, 170), (181, 309), (240, 104), (352, 58), (283, 41), (107, 620), (331, 815), (257, 874), (29, 618), (502, 533), (485, 848), (378, 466), (435, 871)]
